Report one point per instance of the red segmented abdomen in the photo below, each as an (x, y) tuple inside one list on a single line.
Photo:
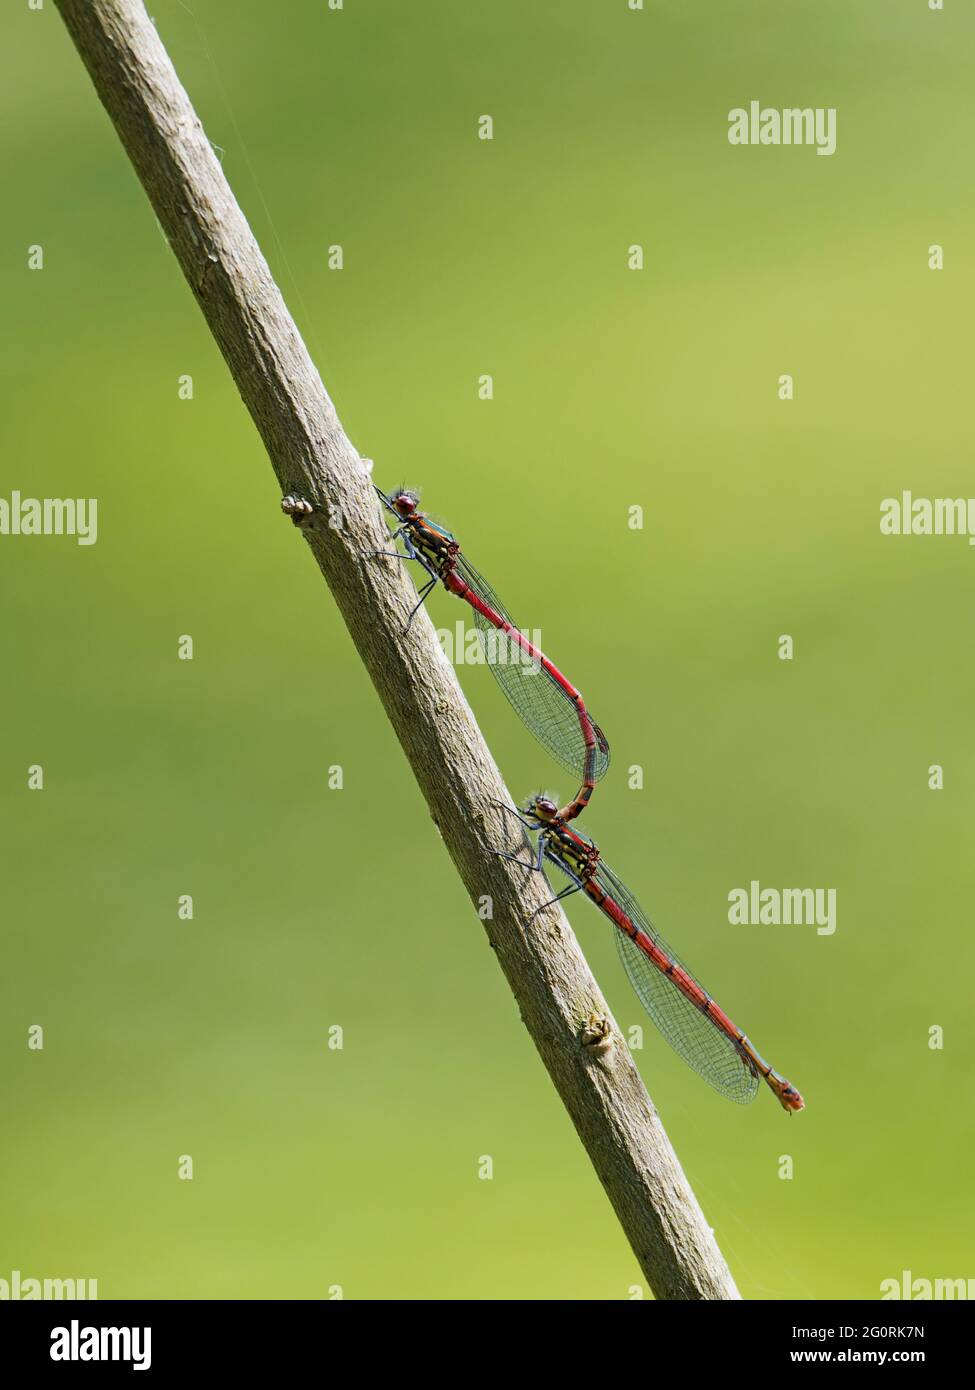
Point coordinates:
[(723, 1021), (610, 907), (679, 977), (456, 585), (787, 1095)]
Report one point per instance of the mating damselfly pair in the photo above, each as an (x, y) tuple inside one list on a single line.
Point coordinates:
[(555, 712)]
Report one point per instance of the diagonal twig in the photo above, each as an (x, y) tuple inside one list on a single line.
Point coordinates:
[(311, 455)]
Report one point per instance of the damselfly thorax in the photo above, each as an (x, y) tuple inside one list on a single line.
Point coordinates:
[(578, 854), (435, 545)]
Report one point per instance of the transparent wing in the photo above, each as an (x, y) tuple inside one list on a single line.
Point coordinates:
[(534, 693), (692, 1035)]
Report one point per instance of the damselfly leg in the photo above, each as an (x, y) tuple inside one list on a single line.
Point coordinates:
[(514, 811), (574, 887), (411, 553), (538, 856), (424, 594), (511, 858)]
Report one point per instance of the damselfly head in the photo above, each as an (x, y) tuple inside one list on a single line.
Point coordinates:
[(405, 501), (543, 808)]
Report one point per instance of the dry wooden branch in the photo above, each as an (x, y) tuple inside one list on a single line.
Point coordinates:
[(311, 455)]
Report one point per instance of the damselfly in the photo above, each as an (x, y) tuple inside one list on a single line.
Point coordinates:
[(546, 701), (679, 1005)]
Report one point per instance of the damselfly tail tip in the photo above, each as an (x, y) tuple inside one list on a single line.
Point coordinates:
[(789, 1098)]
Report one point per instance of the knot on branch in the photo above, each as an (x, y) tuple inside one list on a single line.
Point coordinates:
[(596, 1036)]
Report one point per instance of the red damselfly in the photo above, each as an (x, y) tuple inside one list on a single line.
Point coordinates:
[(551, 707), (698, 1031)]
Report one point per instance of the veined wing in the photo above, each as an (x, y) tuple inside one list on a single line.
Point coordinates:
[(693, 1035), (537, 694)]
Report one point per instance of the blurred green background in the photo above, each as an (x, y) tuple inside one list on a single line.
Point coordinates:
[(358, 1168)]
